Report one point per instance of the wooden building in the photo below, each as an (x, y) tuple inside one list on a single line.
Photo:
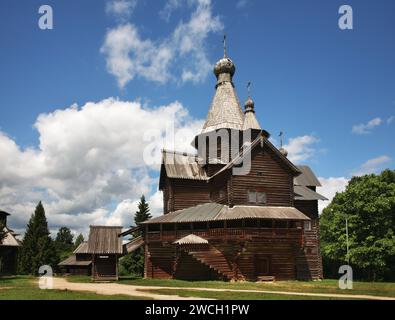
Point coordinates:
[(80, 263), (234, 211), (99, 255), (9, 247), (105, 248)]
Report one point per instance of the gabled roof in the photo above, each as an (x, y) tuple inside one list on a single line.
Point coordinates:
[(104, 240), (82, 248), (219, 212), (259, 140), (178, 165), (225, 110), (307, 178), (191, 239), (182, 166), (304, 193), (9, 239), (72, 261), (134, 244)]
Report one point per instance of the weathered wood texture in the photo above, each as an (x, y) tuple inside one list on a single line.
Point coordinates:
[(266, 175), (104, 267), (309, 261), (232, 254), (181, 193)]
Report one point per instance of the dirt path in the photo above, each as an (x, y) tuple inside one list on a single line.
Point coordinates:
[(114, 289), (143, 291)]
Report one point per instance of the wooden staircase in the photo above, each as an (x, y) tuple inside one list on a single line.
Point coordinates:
[(212, 258)]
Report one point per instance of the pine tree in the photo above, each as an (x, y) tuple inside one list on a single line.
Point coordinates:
[(37, 248), (133, 263), (143, 212), (80, 239)]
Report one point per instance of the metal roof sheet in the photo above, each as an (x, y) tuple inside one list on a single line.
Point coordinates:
[(244, 212), (304, 193), (105, 240), (191, 239), (217, 212), (307, 178)]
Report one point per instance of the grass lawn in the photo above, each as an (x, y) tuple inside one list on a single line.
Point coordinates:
[(386, 289), (26, 288), (233, 295)]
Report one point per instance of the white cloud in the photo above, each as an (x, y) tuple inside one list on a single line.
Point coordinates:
[(300, 148), (366, 128), (169, 8), (374, 165), (180, 57), (330, 186), (390, 119), (89, 166), (241, 4), (121, 9)]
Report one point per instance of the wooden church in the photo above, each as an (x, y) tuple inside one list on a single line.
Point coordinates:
[(238, 209)]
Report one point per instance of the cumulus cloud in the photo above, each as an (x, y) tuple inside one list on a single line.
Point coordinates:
[(181, 56), (300, 148), (374, 165), (91, 164), (121, 9), (365, 128), (330, 186)]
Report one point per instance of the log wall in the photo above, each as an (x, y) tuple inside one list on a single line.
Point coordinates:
[(267, 175), (241, 249)]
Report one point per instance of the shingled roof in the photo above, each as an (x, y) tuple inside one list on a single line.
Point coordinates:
[(304, 193), (307, 178), (225, 110), (104, 240)]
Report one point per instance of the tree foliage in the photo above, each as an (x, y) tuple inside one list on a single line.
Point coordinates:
[(80, 239), (133, 263), (64, 243), (369, 205), (2, 231), (37, 247), (143, 212)]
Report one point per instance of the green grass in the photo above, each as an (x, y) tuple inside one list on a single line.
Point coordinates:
[(26, 288), (326, 286), (386, 289), (226, 295)]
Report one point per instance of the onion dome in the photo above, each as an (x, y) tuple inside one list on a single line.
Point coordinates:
[(224, 65), (249, 105)]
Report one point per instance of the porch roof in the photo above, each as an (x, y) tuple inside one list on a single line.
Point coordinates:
[(219, 212)]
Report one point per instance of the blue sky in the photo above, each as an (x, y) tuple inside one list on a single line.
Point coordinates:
[(310, 79)]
